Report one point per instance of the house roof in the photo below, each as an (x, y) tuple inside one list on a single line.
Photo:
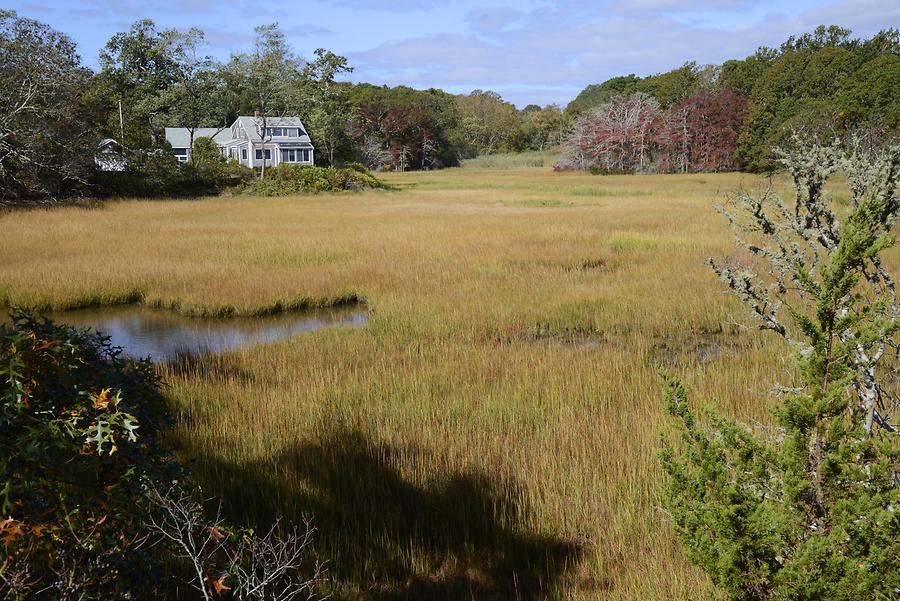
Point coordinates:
[(250, 124), (108, 144), (180, 137)]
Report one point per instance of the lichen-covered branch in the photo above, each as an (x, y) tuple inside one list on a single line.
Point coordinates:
[(794, 245)]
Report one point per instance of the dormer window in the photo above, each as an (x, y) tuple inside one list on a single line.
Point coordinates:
[(284, 132)]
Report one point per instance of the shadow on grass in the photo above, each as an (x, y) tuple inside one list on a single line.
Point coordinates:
[(386, 538)]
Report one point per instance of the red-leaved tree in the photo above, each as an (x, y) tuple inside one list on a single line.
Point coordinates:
[(632, 134), (700, 133)]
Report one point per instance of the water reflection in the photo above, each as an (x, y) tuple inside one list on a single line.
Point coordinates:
[(165, 335)]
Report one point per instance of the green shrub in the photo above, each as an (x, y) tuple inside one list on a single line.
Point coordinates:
[(285, 180), (157, 174), (78, 428), (207, 158), (598, 170)]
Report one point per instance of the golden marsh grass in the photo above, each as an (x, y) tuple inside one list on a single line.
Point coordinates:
[(492, 432)]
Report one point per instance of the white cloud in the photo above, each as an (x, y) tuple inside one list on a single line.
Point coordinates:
[(547, 52), (528, 50), (492, 20)]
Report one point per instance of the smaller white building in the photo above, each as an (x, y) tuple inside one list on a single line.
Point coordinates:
[(110, 156), (251, 141)]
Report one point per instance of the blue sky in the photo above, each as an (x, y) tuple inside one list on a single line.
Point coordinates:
[(528, 51)]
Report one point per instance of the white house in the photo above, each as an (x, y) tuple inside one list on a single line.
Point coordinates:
[(251, 140)]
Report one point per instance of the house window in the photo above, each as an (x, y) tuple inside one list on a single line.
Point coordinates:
[(284, 132), (259, 154), (294, 155), (243, 154)]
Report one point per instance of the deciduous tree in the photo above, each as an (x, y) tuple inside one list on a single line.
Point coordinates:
[(137, 70), (45, 146), (326, 105), (198, 96), (869, 97), (543, 127), (701, 132), (619, 135), (267, 79), (487, 123)]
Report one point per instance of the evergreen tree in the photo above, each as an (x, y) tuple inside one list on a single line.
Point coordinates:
[(812, 511)]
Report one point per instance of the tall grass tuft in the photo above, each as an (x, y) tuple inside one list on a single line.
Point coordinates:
[(512, 160)]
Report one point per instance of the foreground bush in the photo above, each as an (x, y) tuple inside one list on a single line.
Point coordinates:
[(92, 508), (78, 435), (285, 180), (812, 509)]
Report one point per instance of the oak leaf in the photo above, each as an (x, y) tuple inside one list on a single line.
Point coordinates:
[(45, 344), (218, 586), (101, 401)]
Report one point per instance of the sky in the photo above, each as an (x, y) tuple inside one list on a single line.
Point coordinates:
[(529, 51)]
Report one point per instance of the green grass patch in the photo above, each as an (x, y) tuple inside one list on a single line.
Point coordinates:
[(627, 243)]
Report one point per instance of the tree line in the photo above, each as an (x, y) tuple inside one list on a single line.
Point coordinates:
[(54, 110), (730, 116)]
